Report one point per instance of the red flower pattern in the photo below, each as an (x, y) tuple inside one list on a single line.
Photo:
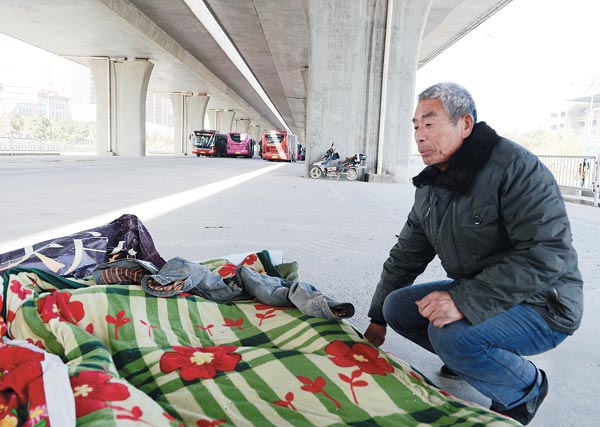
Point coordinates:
[(260, 307), (317, 386), (150, 327), (363, 356), (92, 391), (207, 423), (207, 328), (226, 270), (17, 288), (250, 260), (200, 362), (230, 323), (37, 343), (119, 321), (270, 311), (58, 305), (288, 402)]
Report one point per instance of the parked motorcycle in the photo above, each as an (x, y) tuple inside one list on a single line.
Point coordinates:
[(330, 165)]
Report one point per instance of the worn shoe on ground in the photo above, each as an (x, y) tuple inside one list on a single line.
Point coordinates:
[(446, 372), (525, 412)]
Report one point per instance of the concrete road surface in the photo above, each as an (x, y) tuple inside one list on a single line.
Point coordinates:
[(340, 233)]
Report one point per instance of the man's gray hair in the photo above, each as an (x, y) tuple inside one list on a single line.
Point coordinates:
[(457, 101)]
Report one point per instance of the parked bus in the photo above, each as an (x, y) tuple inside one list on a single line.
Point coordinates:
[(204, 144), (239, 144), (279, 145)]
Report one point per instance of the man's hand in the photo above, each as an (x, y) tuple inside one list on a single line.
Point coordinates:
[(439, 309), (375, 334)]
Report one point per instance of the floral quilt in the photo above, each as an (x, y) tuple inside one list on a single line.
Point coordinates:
[(138, 360)]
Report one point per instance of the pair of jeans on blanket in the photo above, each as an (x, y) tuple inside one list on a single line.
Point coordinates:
[(179, 275)]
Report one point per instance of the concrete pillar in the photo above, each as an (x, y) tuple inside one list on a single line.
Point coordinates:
[(180, 137), (226, 121), (211, 121), (361, 79), (254, 131), (405, 31), (121, 88), (242, 125), (103, 72), (132, 85), (195, 107)]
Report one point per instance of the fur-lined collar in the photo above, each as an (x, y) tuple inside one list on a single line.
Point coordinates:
[(463, 164)]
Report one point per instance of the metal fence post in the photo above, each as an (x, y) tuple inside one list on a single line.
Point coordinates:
[(597, 182)]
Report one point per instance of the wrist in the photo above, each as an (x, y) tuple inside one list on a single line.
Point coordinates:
[(379, 322)]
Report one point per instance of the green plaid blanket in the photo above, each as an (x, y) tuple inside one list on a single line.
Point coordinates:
[(138, 360)]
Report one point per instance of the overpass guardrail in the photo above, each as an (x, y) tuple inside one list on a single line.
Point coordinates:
[(577, 176), (20, 146)]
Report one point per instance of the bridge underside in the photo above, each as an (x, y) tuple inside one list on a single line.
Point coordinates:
[(295, 50)]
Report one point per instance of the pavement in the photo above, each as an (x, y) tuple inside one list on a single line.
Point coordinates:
[(339, 232)]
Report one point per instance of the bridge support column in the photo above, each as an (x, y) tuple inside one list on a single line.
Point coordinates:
[(195, 111), (254, 131), (180, 138), (121, 88), (372, 115), (256, 135), (103, 72), (242, 125), (226, 121), (212, 119)]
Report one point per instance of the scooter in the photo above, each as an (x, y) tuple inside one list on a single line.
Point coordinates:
[(329, 165)]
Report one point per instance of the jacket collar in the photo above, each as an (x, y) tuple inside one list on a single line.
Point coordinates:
[(463, 164)]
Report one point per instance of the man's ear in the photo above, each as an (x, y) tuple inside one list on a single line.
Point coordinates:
[(467, 122)]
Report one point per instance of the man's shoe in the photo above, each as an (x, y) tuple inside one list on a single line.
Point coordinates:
[(525, 412), (446, 372)]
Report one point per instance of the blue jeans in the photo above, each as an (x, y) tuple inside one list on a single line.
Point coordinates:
[(488, 355)]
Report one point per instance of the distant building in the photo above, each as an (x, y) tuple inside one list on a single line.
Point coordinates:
[(45, 105), (582, 116), (159, 109)]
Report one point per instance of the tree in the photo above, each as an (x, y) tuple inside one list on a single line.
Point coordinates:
[(545, 142), (61, 129), (16, 124), (39, 127)]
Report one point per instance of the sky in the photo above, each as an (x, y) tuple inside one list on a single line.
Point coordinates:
[(519, 65), (24, 65), (524, 61)]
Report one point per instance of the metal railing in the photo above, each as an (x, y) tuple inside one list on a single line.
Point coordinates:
[(12, 146), (576, 174)]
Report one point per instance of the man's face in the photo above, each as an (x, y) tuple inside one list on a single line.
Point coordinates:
[(436, 136)]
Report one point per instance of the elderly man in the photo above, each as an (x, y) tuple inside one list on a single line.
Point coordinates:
[(494, 216)]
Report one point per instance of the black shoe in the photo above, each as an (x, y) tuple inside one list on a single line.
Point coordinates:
[(525, 412), (446, 372)]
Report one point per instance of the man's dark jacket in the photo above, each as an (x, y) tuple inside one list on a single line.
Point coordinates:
[(497, 221)]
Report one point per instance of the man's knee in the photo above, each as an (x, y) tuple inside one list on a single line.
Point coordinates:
[(401, 312), (453, 340)]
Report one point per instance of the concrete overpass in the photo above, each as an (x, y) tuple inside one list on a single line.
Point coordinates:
[(338, 71)]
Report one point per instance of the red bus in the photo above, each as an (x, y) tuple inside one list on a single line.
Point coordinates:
[(279, 145), (204, 143), (239, 144)]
